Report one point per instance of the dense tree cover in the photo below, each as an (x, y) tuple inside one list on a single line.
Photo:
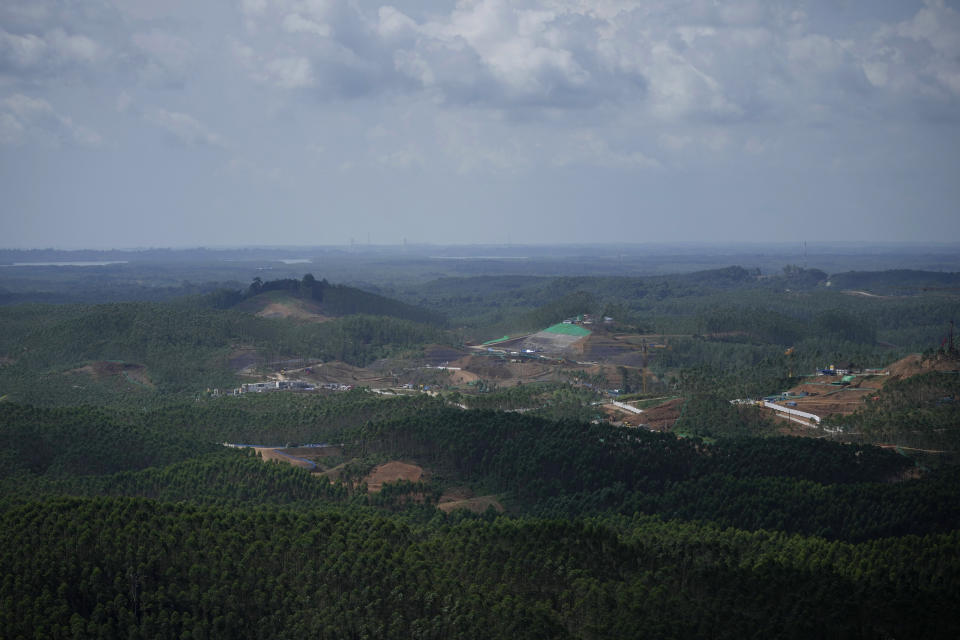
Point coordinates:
[(88, 440), (568, 468), (220, 543), (895, 281), (134, 568), (541, 466), (235, 477), (277, 418), (711, 416), (84, 441)]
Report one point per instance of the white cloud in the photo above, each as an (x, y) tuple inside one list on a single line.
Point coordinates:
[(124, 101), (183, 127), (21, 51), (590, 148), (167, 56), (74, 47), (401, 159), (296, 23), (25, 120), (290, 73), (673, 62), (53, 52)]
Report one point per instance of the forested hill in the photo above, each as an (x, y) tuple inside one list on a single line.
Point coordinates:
[(333, 299), (112, 525), (47, 351), (897, 281)]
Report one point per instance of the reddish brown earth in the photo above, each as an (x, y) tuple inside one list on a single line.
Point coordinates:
[(663, 416), (627, 418), (393, 471), (825, 399), (463, 498), (299, 310)]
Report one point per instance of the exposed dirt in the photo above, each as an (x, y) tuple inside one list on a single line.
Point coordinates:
[(281, 304), (392, 471), (826, 399), (134, 373), (663, 416), (4, 360), (914, 365), (627, 418), (438, 355), (554, 344), (343, 373), (909, 366), (479, 504), (463, 377), (242, 359), (505, 372), (298, 310), (334, 474), (604, 347)]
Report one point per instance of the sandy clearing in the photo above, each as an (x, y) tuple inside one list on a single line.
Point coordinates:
[(463, 498), (296, 310), (133, 373), (392, 471), (663, 416), (476, 505)]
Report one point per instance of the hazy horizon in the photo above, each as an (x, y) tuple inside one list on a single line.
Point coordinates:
[(326, 123)]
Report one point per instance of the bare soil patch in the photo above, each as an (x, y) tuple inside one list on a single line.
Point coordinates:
[(663, 416), (825, 399), (627, 418), (295, 309), (343, 373), (599, 346), (554, 344), (392, 471), (275, 454), (476, 505), (335, 474), (464, 498), (135, 373), (463, 377), (906, 367), (439, 355), (242, 359), (914, 365)]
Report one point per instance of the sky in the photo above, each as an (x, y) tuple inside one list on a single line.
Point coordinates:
[(137, 123)]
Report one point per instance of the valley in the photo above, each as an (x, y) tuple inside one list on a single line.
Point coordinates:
[(482, 454)]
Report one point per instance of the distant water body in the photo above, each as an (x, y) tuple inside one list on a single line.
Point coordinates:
[(479, 257), (65, 264)]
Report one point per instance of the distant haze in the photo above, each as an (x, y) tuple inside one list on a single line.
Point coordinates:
[(138, 123)]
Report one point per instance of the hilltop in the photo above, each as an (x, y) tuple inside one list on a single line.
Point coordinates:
[(317, 300)]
